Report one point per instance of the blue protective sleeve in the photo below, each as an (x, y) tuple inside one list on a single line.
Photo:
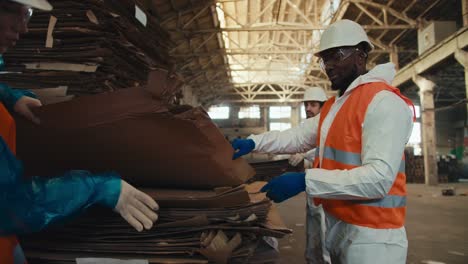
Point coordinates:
[(8, 95), (29, 206)]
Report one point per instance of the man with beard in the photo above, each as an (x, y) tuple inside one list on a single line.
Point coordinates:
[(31, 205), (314, 98), (358, 175)]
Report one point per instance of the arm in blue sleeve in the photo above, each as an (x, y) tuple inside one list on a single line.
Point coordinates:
[(8, 95), (29, 206)]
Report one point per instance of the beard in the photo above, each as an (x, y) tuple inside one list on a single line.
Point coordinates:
[(310, 115), (342, 83)]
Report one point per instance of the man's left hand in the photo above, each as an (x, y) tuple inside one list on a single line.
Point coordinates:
[(285, 186), (24, 107)]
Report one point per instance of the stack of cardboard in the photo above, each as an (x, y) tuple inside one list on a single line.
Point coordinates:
[(414, 167), (152, 144), (89, 46), (266, 170), (227, 225)]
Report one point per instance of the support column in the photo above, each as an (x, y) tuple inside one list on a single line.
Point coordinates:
[(465, 12), (265, 117), (234, 115), (394, 57), (426, 92), (295, 115), (462, 57)]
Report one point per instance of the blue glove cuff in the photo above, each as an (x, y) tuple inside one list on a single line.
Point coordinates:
[(107, 190), (251, 144)]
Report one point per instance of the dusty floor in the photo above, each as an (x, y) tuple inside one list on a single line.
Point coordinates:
[(437, 226)]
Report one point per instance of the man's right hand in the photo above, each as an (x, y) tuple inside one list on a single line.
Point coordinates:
[(136, 207), (242, 147)]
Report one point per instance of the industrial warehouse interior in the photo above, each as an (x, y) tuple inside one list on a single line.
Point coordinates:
[(234, 131)]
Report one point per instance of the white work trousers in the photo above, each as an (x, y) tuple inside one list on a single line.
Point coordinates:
[(316, 252), (351, 244)]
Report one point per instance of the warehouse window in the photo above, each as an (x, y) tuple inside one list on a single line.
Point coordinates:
[(280, 126), (417, 109), (249, 112), (280, 112), (415, 134), (219, 112)]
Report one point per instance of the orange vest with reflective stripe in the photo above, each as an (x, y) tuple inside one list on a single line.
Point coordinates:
[(10, 250), (342, 151)]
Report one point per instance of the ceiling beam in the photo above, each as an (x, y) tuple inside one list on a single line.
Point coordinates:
[(443, 50), (390, 10), (239, 52), (259, 101), (281, 28), (299, 12), (369, 14), (240, 70)]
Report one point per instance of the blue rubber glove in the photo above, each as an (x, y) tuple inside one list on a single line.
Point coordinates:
[(285, 186), (242, 147)]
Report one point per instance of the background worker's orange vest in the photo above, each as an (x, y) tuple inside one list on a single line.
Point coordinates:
[(343, 152), (10, 250)]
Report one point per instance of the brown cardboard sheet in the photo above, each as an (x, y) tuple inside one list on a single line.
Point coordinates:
[(131, 132)]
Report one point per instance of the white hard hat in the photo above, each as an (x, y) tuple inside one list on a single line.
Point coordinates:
[(343, 33), (315, 94), (39, 4)]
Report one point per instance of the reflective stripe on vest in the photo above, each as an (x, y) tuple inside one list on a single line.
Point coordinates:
[(342, 151), (354, 159), (349, 158)]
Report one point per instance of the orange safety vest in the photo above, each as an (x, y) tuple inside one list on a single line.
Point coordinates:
[(343, 152), (10, 250)]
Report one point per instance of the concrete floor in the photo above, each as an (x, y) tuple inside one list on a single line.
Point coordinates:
[(437, 226)]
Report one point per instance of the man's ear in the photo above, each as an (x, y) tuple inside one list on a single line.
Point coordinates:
[(362, 58)]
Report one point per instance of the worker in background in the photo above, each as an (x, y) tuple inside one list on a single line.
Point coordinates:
[(314, 98), (30, 205), (358, 175)]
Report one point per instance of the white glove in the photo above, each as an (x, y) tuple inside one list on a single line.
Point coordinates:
[(24, 107), (136, 207), (296, 159)]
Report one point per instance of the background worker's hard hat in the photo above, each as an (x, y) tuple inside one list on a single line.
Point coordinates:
[(315, 94), (38, 4), (343, 33)]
